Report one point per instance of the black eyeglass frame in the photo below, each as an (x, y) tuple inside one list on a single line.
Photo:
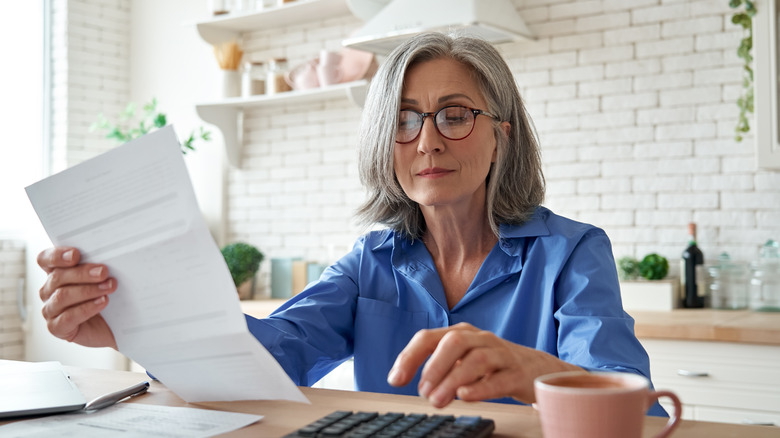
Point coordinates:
[(475, 112)]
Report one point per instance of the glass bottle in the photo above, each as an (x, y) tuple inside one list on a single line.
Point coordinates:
[(692, 285), (765, 282)]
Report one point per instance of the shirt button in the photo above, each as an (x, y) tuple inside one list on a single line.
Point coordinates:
[(506, 244), (412, 267)]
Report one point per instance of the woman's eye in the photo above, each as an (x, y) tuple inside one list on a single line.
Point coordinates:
[(406, 124)]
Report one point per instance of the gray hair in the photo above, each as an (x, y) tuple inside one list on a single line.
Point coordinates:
[(515, 184)]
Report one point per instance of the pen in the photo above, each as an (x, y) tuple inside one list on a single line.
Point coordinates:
[(115, 397)]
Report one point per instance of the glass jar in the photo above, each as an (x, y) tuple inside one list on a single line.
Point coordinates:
[(253, 79), (765, 282), (275, 82), (728, 284)]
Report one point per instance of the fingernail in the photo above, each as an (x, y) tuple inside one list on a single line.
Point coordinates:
[(67, 255), (96, 271), (425, 388), (105, 285), (439, 400), (99, 300), (392, 376)]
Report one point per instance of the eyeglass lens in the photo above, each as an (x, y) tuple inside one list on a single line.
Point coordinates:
[(452, 122)]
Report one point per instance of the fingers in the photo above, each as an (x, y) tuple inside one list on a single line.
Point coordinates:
[(73, 296), (88, 273), (501, 383), (463, 358), (421, 346), (417, 351), (66, 297), (58, 257), (67, 324)]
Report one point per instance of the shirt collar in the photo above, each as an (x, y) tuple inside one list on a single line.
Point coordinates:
[(535, 226)]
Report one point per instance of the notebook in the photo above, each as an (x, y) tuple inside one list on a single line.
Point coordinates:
[(34, 388)]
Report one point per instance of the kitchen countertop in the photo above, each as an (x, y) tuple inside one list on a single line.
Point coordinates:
[(743, 326)]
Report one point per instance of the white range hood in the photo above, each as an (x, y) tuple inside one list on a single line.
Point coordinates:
[(390, 22)]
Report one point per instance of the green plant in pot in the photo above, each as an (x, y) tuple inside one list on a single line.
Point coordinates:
[(652, 267), (628, 268), (243, 261)]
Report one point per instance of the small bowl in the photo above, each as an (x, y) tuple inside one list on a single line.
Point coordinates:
[(303, 76), (357, 64)]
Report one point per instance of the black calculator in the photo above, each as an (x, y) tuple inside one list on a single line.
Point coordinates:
[(392, 424)]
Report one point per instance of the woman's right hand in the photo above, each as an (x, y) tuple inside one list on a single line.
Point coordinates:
[(73, 296)]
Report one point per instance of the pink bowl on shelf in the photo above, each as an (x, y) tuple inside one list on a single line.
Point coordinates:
[(357, 64)]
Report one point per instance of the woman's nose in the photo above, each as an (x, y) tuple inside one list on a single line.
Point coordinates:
[(429, 140)]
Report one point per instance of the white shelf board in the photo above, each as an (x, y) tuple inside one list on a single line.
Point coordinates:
[(295, 96), (225, 114), (229, 27)]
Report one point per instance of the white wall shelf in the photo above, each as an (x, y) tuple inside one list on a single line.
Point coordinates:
[(223, 28), (227, 114)]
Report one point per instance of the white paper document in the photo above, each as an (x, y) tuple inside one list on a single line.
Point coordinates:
[(132, 420), (176, 310)]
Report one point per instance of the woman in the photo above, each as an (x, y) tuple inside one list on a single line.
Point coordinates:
[(472, 291)]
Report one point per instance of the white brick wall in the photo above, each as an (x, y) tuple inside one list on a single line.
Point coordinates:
[(634, 102), (12, 271), (90, 51)]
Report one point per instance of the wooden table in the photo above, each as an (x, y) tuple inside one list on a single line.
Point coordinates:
[(281, 418)]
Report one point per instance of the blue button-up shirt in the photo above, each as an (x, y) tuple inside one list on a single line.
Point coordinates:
[(550, 284)]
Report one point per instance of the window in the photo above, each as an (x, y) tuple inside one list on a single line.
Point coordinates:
[(21, 115), (767, 93)]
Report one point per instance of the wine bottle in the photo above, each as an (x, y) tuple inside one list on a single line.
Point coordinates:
[(691, 270)]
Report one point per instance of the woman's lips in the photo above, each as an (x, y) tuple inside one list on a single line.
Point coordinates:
[(433, 172)]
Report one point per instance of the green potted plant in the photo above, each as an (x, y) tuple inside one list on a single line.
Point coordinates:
[(128, 127), (643, 284), (243, 261), (654, 267)]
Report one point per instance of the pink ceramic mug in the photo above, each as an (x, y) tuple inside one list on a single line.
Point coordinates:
[(598, 405)]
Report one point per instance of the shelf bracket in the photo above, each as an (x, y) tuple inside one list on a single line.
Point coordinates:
[(229, 121)]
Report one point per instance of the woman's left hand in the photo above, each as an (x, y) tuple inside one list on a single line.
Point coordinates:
[(471, 364)]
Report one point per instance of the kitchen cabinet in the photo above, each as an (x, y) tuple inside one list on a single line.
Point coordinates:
[(227, 114), (767, 100), (722, 363), (719, 381)]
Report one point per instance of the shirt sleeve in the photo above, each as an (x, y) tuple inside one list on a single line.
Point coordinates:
[(594, 332), (312, 333)]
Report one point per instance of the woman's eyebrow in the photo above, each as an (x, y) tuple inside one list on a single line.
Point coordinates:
[(454, 95), (441, 99)]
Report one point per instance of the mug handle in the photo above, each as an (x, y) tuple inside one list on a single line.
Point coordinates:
[(674, 419)]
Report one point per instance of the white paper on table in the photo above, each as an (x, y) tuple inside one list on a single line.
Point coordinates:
[(132, 420), (175, 311)]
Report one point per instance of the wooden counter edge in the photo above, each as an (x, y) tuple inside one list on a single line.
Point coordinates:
[(742, 326)]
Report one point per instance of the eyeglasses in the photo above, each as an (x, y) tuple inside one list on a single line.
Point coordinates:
[(453, 122)]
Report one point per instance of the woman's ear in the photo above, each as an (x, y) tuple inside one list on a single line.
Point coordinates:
[(506, 127)]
